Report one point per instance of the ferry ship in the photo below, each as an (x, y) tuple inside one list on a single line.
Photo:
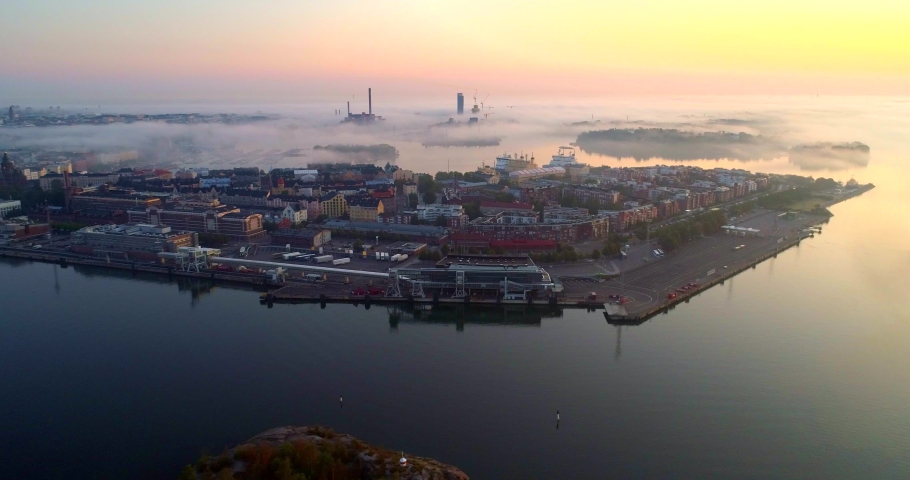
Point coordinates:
[(509, 163), (565, 158)]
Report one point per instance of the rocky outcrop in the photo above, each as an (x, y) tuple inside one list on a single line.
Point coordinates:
[(319, 452)]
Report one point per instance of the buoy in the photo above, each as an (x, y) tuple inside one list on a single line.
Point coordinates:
[(341, 400), (403, 462), (557, 415)]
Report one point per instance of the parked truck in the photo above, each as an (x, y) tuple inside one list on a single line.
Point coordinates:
[(402, 257), (323, 259), (341, 261)]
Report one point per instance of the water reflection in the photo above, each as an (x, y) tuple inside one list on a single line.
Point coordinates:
[(56, 281), (830, 156), (460, 315), (617, 352)]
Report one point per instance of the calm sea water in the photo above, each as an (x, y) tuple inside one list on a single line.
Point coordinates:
[(796, 369)]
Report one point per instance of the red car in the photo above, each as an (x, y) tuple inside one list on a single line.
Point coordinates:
[(671, 296)]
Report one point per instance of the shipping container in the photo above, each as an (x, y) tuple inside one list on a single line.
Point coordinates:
[(402, 257), (341, 261), (323, 259)]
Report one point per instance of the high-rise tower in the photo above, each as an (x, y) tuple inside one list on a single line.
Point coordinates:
[(461, 104)]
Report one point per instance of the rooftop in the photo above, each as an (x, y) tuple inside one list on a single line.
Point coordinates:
[(385, 227)]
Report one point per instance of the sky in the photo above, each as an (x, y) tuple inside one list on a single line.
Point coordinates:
[(292, 50)]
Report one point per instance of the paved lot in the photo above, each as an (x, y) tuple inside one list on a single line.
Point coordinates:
[(648, 285)]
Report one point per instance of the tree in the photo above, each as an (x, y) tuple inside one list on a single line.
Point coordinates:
[(429, 197), (568, 201), (188, 473), (358, 246), (592, 205), (213, 240), (472, 210), (426, 184), (444, 249), (504, 197), (413, 200), (595, 254), (441, 221)]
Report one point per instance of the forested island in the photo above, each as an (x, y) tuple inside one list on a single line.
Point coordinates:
[(830, 156), (673, 144), (462, 142)]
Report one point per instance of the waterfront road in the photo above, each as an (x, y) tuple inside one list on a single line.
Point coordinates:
[(700, 261)]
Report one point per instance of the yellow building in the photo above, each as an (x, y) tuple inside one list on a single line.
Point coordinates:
[(333, 205), (365, 209)]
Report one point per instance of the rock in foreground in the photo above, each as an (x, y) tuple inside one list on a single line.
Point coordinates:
[(313, 453)]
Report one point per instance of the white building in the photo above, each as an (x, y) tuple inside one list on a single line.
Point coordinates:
[(8, 206), (294, 216), (433, 211), (299, 174)]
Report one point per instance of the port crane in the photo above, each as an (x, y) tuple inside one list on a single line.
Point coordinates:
[(475, 108)]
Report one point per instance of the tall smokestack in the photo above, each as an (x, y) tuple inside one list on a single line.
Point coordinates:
[(370, 97)]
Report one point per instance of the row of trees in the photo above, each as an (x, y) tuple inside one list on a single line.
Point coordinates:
[(742, 208), (34, 197), (671, 237), (213, 240), (783, 200), (297, 460), (563, 253)]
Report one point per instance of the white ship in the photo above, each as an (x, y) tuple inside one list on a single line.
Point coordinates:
[(509, 163), (565, 158)]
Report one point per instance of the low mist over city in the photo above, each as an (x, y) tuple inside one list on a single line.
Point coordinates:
[(452, 240)]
